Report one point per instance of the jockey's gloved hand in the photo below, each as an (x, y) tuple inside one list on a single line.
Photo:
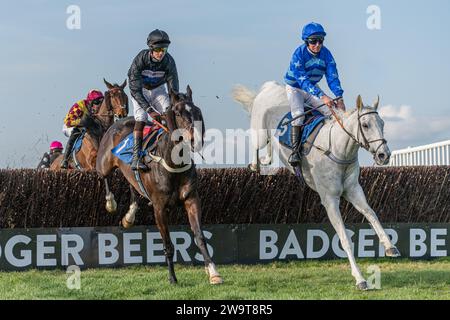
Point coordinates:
[(328, 101), (156, 116)]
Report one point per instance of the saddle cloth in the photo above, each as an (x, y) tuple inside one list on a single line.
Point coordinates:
[(77, 145), (124, 150), (314, 121)]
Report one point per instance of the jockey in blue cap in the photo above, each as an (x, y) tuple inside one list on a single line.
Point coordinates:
[(309, 63)]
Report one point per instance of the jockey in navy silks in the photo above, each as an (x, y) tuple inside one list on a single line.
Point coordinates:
[(150, 71), (309, 63)]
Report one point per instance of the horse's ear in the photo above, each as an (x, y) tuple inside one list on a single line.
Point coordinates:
[(359, 102), (108, 85), (173, 96), (124, 84), (376, 103), (189, 92)]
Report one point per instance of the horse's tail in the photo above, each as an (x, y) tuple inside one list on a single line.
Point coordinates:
[(244, 96)]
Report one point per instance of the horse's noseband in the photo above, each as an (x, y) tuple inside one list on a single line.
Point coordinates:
[(366, 143)]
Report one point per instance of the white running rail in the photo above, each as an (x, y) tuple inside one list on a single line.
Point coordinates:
[(428, 155)]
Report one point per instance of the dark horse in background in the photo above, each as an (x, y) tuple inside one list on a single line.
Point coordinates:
[(113, 107), (169, 182)]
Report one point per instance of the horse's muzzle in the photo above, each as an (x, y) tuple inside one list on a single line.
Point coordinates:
[(382, 156)]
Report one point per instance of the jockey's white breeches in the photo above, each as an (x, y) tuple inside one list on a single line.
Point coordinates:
[(67, 131), (157, 98), (297, 99)]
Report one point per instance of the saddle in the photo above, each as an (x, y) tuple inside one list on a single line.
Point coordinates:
[(309, 130), (150, 141), (124, 150), (310, 138)]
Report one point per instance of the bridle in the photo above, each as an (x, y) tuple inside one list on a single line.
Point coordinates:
[(170, 116), (109, 108), (185, 102), (365, 144)]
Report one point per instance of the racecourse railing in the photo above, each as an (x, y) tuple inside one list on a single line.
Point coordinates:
[(428, 155)]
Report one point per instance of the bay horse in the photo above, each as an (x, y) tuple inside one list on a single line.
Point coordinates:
[(331, 168), (113, 107), (172, 177)]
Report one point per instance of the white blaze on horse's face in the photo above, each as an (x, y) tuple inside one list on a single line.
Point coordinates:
[(197, 143), (372, 127)]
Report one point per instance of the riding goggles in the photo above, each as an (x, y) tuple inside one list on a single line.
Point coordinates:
[(160, 49), (97, 101), (314, 41)]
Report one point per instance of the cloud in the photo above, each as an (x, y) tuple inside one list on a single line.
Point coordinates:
[(404, 128)]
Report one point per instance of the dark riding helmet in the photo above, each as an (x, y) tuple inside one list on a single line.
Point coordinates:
[(158, 39)]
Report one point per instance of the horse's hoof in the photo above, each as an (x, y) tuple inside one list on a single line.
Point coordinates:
[(216, 280), (173, 280), (266, 162), (126, 224), (362, 286), (252, 167), (392, 252), (111, 204), (111, 209)]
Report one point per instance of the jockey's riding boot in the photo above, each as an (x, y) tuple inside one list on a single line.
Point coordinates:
[(137, 164), (295, 158), (73, 137)]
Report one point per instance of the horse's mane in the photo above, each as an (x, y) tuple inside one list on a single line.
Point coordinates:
[(344, 114)]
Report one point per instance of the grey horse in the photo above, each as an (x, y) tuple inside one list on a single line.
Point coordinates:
[(331, 168)]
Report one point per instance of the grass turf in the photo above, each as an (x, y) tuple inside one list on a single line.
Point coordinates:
[(400, 279)]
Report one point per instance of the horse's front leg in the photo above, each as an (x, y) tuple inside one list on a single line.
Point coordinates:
[(130, 216), (355, 195), (111, 204), (161, 213), (331, 204), (192, 206)]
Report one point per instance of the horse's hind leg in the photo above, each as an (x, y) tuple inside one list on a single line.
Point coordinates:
[(192, 206), (331, 204), (163, 227), (355, 195), (267, 161), (130, 216)]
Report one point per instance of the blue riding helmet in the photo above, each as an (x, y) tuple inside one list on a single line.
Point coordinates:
[(313, 29)]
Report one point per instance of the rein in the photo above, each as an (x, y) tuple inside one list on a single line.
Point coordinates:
[(109, 108), (161, 125), (311, 109), (365, 145)]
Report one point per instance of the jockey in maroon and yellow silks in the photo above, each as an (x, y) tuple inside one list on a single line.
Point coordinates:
[(72, 121), (73, 117)]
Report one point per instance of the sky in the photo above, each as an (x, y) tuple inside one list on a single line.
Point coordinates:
[(45, 67)]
